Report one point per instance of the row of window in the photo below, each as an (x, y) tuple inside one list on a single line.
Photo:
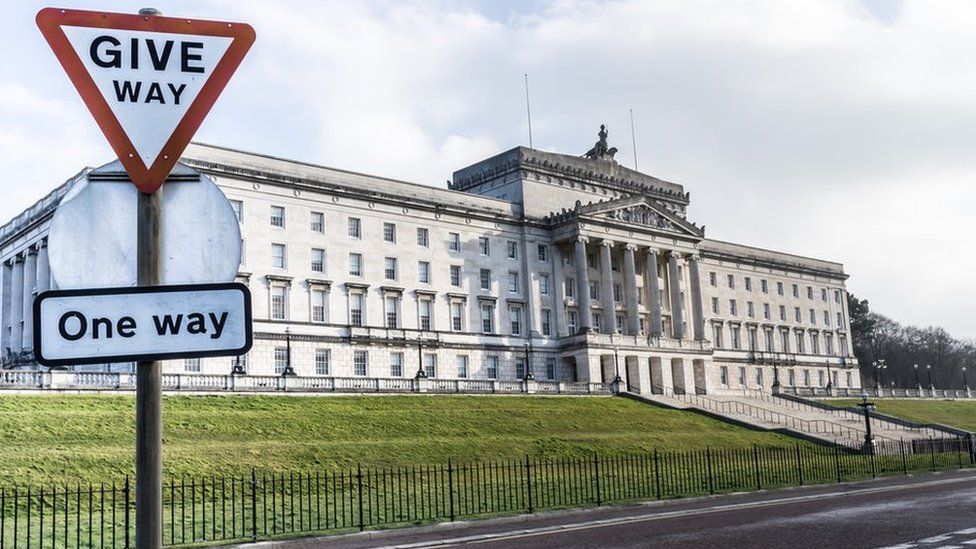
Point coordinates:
[(785, 341), (797, 314), (354, 229), (764, 287), (791, 377)]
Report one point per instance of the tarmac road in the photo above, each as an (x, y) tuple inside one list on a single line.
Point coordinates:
[(928, 511)]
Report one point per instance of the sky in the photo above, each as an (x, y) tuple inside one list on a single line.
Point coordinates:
[(841, 130)]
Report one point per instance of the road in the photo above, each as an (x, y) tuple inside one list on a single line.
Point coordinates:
[(929, 511)]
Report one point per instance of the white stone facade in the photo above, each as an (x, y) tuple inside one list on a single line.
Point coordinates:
[(584, 267)]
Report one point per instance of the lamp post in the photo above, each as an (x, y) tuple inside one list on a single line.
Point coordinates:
[(616, 369), (928, 368), (528, 361), (918, 382), (289, 371), (776, 385), (965, 382), (421, 374), (238, 367), (868, 438), (830, 379)]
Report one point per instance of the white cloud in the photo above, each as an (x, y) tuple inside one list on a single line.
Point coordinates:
[(833, 128)]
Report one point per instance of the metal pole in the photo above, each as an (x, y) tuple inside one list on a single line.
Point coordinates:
[(149, 384)]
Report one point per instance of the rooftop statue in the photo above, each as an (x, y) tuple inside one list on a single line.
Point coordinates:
[(601, 149)]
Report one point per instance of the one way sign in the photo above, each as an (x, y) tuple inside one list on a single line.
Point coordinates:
[(148, 80), (144, 323)]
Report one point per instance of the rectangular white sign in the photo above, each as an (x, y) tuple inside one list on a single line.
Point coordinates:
[(145, 323)]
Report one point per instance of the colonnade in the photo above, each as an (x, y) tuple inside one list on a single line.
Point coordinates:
[(24, 275)]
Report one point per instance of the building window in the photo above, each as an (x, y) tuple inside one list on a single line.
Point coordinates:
[(542, 251), (619, 324), (791, 377), (550, 368), (360, 363), (390, 268), (759, 377), (717, 336), (736, 338), (796, 291), (617, 298), (733, 308), (355, 227), (455, 275), (763, 286), (356, 302), (423, 272), (815, 344), (511, 249), (278, 302), (392, 311), (546, 322), (355, 264), (462, 366), (750, 309), (515, 316), (724, 375), (766, 311), (430, 364), (423, 237), (426, 307), (513, 282), (782, 313), (389, 233), (491, 367), (454, 242), (570, 287), (485, 276), (323, 362), (543, 284), (826, 315), (837, 296), (779, 288), (191, 365), (823, 294), (318, 260), (318, 305), (317, 222), (597, 322), (840, 321), (785, 340), (238, 207), (799, 342), (714, 305), (796, 315), (572, 322), (753, 339), (484, 246), (742, 376), (594, 291), (813, 317), (849, 378), (280, 359), (712, 278), (278, 216), (487, 318), (748, 282), (731, 281), (829, 344), (457, 316), (770, 343), (809, 292), (279, 256), (396, 364), (519, 368)]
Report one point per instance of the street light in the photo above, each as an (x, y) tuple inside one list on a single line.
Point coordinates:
[(965, 380), (616, 368), (528, 361), (289, 371), (928, 368), (868, 438), (918, 383), (830, 379), (421, 374)]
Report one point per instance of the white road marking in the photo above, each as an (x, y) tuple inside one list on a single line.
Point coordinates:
[(935, 539), (970, 542), (965, 532)]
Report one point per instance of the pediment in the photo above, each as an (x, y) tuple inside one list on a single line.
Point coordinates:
[(641, 214)]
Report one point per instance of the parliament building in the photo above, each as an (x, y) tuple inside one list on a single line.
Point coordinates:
[(531, 264)]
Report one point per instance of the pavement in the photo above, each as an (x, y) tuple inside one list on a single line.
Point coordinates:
[(935, 510)]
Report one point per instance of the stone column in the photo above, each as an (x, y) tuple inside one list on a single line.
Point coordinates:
[(558, 294), (30, 281), (630, 289), (654, 291), (43, 268), (606, 288), (674, 283), (697, 320), (17, 305), (583, 310), (6, 271)]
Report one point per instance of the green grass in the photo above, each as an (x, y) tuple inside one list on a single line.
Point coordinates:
[(956, 413), (58, 438)]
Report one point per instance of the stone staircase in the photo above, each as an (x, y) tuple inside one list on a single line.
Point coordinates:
[(801, 418)]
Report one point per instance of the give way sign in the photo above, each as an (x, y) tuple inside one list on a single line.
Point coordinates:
[(148, 80)]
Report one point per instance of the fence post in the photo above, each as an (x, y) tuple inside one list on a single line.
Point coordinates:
[(359, 483), (904, 458), (932, 453), (596, 468), (711, 479), (126, 491), (837, 461), (872, 450), (528, 481), (657, 475), (450, 485), (254, 505), (755, 458), (972, 450), (959, 442), (799, 464)]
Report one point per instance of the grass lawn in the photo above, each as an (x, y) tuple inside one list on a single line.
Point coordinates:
[(956, 413), (55, 438)]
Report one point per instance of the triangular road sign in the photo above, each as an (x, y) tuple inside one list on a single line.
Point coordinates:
[(148, 80)]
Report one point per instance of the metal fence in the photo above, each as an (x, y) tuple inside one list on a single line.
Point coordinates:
[(267, 505)]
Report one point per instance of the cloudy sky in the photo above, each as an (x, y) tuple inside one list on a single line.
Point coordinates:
[(843, 130)]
